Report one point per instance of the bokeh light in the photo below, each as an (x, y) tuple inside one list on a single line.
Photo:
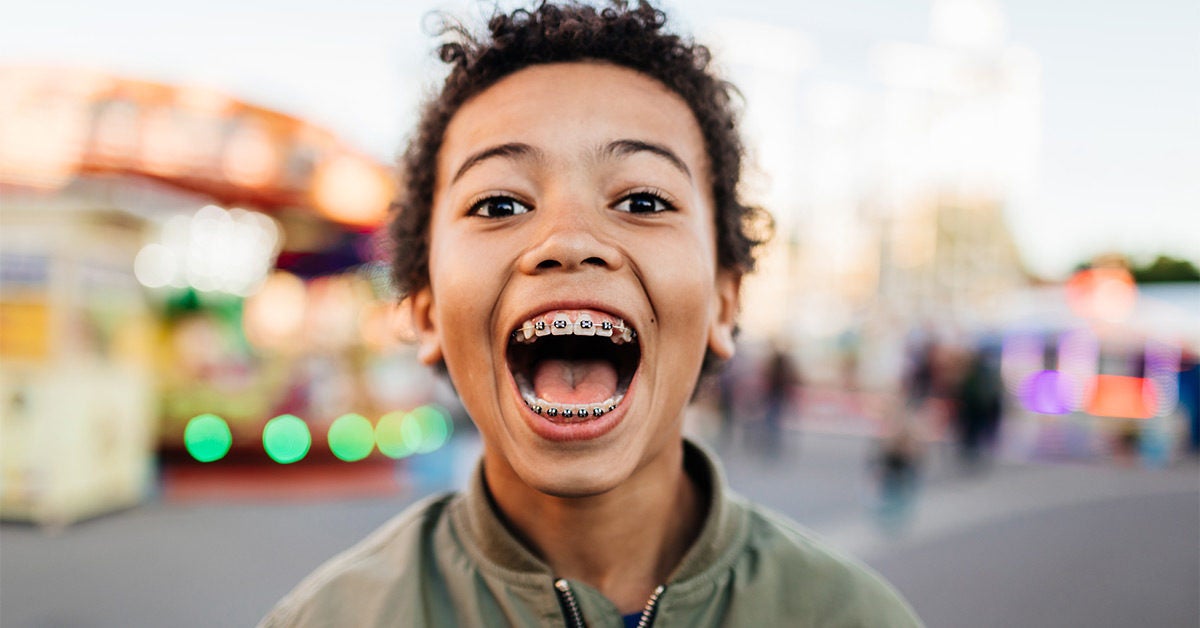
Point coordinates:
[(1047, 392), (1023, 354), (207, 438), (1107, 294), (351, 437), (215, 249), (273, 317), (390, 437), (1122, 396), (44, 128), (251, 157), (434, 428), (154, 265), (423, 430), (352, 190), (286, 439)]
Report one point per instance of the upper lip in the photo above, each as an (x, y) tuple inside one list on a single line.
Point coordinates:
[(571, 304)]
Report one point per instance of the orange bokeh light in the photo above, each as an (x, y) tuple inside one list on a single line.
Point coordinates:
[(1121, 396), (251, 157), (352, 191), (1107, 294)]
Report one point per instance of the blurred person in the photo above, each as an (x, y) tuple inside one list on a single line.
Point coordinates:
[(572, 243), (897, 467), (1126, 444), (781, 380), (978, 407), (728, 381), (1189, 399), (919, 376)]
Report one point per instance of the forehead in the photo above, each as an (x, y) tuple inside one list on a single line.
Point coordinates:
[(562, 107)]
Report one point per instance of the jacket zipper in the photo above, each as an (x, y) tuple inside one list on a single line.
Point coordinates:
[(648, 612), (570, 607), (571, 613)]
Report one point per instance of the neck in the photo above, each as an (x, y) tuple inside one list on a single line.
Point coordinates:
[(624, 542)]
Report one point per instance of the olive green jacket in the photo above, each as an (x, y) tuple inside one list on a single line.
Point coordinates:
[(450, 561)]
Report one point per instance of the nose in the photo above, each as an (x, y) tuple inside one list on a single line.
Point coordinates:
[(568, 236)]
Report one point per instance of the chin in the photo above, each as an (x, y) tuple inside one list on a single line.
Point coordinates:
[(571, 484), (575, 474)]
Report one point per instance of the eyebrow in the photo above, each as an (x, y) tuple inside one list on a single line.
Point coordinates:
[(623, 147), (615, 148), (510, 150)]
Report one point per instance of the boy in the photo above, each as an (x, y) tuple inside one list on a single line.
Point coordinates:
[(572, 244)]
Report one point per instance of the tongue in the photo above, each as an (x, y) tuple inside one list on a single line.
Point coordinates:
[(575, 381)]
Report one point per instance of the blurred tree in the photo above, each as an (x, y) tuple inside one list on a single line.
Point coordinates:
[(1164, 269)]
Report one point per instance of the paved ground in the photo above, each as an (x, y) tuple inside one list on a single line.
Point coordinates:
[(1126, 561), (1025, 545)]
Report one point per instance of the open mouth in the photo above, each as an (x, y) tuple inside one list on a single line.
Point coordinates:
[(573, 365)]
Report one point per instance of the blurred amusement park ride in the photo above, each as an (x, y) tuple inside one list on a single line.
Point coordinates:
[(182, 277)]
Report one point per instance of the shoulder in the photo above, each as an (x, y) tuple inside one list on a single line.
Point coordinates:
[(374, 573), (814, 581)]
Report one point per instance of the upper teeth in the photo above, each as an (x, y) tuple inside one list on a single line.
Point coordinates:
[(574, 323), (562, 325)]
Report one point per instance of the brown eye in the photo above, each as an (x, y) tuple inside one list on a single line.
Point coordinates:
[(643, 203), (499, 207)]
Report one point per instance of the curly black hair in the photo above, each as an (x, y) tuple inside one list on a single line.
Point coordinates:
[(629, 36)]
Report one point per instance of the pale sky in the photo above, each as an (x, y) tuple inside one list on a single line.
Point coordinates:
[(1118, 167)]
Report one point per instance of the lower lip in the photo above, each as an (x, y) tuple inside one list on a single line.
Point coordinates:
[(586, 429)]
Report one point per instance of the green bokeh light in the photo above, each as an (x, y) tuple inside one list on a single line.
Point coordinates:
[(434, 428), (351, 437), (424, 430), (207, 438), (286, 439), (412, 430), (390, 437)]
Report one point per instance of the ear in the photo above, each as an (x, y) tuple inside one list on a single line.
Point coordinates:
[(727, 301), (424, 322)]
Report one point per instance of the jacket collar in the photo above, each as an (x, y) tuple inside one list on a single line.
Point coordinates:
[(489, 541)]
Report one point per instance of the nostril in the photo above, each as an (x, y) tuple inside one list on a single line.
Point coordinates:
[(569, 249)]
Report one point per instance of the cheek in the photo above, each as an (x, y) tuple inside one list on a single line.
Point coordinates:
[(461, 291), (682, 285), (467, 349), (463, 304)]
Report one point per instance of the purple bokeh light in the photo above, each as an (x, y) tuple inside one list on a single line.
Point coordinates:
[(1047, 392)]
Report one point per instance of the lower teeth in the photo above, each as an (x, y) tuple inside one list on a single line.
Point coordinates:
[(545, 408)]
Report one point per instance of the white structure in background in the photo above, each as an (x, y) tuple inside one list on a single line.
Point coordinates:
[(959, 142), (887, 182)]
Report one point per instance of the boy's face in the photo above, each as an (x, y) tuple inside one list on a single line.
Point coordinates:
[(574, 192)]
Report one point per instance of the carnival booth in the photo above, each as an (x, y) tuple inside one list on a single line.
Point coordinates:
[(178, 269)]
